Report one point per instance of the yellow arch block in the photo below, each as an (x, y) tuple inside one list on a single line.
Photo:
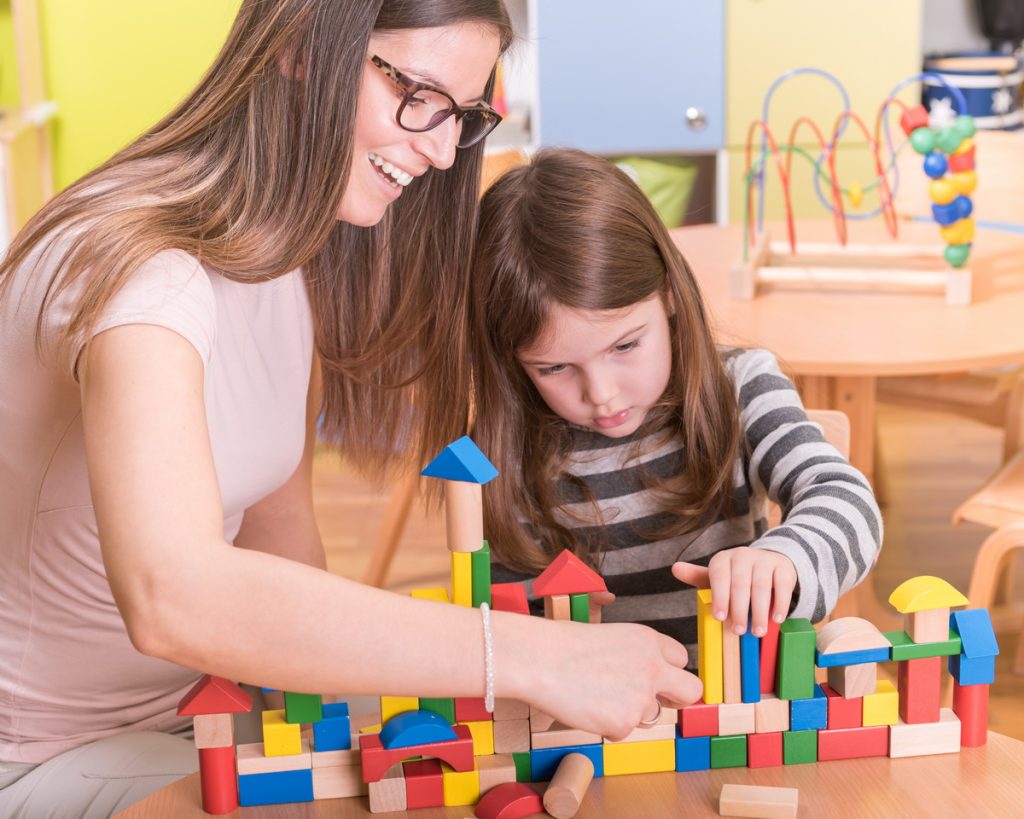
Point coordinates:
[(925, 592)]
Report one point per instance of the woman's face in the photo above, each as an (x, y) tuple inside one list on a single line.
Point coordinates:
[(387, 158)]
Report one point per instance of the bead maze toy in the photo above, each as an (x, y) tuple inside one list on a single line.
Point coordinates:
[(948, 151), (761, 706)]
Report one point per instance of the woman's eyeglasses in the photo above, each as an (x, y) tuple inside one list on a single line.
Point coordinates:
[(424, 107)]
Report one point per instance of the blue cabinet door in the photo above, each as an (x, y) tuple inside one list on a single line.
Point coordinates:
[(619, 76)]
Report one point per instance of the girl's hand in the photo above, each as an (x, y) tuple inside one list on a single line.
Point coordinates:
[(744, 581)]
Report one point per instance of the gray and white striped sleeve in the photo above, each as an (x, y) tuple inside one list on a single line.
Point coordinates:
[(831, 524)]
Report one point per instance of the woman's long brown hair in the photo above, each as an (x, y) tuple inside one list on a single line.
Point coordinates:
[(247, 175), (571, 229)]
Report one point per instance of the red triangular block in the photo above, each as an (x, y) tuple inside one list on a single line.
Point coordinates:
[(567, 574), (214, 695), (509, 597)]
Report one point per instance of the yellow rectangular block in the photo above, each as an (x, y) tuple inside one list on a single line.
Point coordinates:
[(639, 757), (280, 738), (439, 594), (462, 578), (389, 706), (709, 649), (460, 788), (483, 736), (882, 707)]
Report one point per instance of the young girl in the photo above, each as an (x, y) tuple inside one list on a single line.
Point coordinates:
[(624, 434), (164, 324)]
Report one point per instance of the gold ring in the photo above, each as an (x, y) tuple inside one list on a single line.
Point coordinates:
[(647, 723)]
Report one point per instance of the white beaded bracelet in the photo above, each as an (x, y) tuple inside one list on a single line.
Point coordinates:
[(485, 615)]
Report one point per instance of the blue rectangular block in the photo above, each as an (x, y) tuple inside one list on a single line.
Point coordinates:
[(977, 671), (693, 753), (544, 761), (750, 666), (275, 788), (810, 714), (867, 655), (334, 731)]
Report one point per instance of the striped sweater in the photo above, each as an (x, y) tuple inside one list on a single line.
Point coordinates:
[(831, 525)]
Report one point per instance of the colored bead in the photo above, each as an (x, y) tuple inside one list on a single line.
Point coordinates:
[(964, 182), (962, 160), (960, 232), (964, 207), (949, 140), (914, 118), (965, 146), (945, 214), (957, 255), (935, 165), (942, 191), (965, 125), (923, 140), (856, 194)]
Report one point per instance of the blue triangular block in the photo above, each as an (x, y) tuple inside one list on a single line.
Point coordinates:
[(461, 460), (977, 637)]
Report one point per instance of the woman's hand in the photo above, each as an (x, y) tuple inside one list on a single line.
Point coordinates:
[(744, 583)]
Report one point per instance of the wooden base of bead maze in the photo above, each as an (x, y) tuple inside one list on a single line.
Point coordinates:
[(881, 268)]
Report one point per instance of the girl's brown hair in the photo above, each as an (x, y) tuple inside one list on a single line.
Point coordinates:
[(247, 175), (571, 229)]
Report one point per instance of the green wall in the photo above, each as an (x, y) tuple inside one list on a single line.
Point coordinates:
[(115, 67)]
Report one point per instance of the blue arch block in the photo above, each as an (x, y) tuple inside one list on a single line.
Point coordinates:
[(415, 728)]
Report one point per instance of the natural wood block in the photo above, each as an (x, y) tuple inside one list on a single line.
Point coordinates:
[(250, 759), (332, 759), (214, 730), (736, 718), (931, 626), (732, 681), (463, 516), (849, 634), (494, 770), (539, 721), (338, 782), (511, 736), (568, 786), (926, 738), (388, 792), (559, 736), (852, 681), (360, 722), (771, 715), (646, 733), (758, 801), (510, 709), (558, 607)]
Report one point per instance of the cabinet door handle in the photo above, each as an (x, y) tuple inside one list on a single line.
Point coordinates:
[(696, 119)]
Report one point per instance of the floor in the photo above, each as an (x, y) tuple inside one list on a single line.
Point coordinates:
[(930, 462)]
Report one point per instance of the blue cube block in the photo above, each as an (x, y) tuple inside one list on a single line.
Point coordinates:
[(750, 666), (976, 671), (334, 731), (810, 714), (544, 761), (693, 753), (275, 788)]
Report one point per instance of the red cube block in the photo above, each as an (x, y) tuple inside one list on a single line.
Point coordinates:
[(424, 783), (764, 750), (914, 118), (471, 709), (970, 704), (853, 743), (699, 720), (920, 688), (843, 712)]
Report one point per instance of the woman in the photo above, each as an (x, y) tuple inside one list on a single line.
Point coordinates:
[(159, 318)]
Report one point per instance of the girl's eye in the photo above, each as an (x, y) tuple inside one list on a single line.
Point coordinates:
[(625, 347), (554, 369)]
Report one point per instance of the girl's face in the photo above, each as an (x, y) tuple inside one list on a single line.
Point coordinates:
[(387, 158), (602, 370)]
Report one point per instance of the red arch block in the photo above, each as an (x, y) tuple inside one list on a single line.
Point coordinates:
[(510, 800), (377, 759)]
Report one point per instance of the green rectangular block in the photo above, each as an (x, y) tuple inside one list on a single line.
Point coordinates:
[(481, 569), (799, 747), (445, 706), (729, 752), (903, 648), (795, 675), (524, 768), (302, 707), (579, 607)]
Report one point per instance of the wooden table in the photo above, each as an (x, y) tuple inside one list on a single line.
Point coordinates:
[(984, 781)]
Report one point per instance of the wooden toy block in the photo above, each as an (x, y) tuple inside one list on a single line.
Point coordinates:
[(693, 753), (977, 671), (544, 761), (920, 687), (639, 757), (558, 607), (568, 787), (471, 709), (771, 715), (483, 737), (388, 792), (438, 595), (809, 714), (764, 750), (758, 801), (558, 736), (415, 728), (668, 716), (796, 659), (699, 720), (217, 779), (728, 752), (481, 570), (903, 648), (799, 747), (926, 739), (510, 709), (424, 784), (272, 698), (579, 607), (460, 787), (539, 721), (443, 706), (302, 707), (853, 743), (510, 801), (843, 712), (647, 733), (391, 706), (970, 704), (462, 578), (769, 655), (214, 730), (509, 597), (345, 758), (279, 737), (709, 649), (736, 718), (882, 707), (371, 722), (732, 682), (334, 731), (567, 574), (250, 759), (214, 695), (495, 770), (853, 680), (463, 517), (275, 788), (925, 592), (524, 768), (461, 461), (750, 667), (511, 736), (931, 626), (338, 782), (376, 759), (974, 628), (871, 655), (848, 635)]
